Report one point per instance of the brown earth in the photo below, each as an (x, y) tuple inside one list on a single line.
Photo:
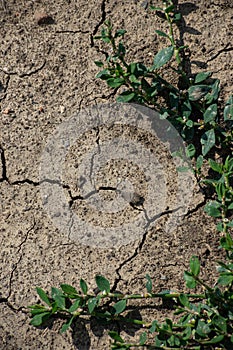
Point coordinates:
[(47, 73)]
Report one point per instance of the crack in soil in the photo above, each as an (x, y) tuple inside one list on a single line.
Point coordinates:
[(4, 176), (26, 74), (5, 88), (196, 208), (15, 266), (225, 49), (140, 245), (72, 32), (3, 161), (103, 18)]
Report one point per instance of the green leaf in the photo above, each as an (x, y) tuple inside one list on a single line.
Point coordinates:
[(143, 338), (115, 82), (56, 291), (153, 326), (69, 290), (120, 32), (216, 339), (104, 74), (161, 33), (213, 94), (228, 110), (126, 96), (196, 92), (202, 328), (207, 141), (83, 286), (232, 338), (189, 123), (194, 265), (74, 306), (99, 63), (226, 279), (177, 17), (102, 283), (184, 300), (186, 109), (169, 9), (225, 267), (211, 113), (230, 207), (92, 302), (39, 319), (141, 69), (187, 334), (37, 309), (200, 77), (66, 325), (115, 336), (119, 306), (174, 101), (42, 294), (221, 191), (199, 162), (133, 79), (59, 297), (148, 284), (220, 227), (182, 169), (215, 166), (106, 39), (156, 8), (190, 281), (220, 322), (131, 67), (162, 57), (212, 209), (190, 150), (227, 242), (121, 50)]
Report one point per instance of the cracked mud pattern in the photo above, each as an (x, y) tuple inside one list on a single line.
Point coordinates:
[(46, 75)]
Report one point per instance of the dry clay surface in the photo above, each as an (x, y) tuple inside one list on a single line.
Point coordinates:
[(47, 74)]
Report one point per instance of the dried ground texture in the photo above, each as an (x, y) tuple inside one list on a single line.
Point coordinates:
[(47, 73)]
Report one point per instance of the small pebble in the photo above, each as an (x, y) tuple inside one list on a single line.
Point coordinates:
[(7, 111)]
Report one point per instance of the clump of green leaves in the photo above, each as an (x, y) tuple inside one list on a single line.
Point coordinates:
[(191, 106), (222, 206), (200, 325)]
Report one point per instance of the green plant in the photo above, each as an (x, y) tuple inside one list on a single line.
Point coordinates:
[(191, 106), (200, 324), (222, 206), (202, 320)]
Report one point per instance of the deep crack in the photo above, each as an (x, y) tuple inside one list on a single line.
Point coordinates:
[(72, 32), (140, 245), (103, 18), (15, 266), (3, 161), (196, 208), (225, 49)]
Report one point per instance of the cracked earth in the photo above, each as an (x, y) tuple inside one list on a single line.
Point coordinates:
[(47, 74)]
